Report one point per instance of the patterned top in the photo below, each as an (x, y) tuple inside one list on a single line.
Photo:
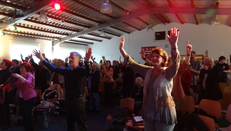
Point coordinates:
[(196, 65), (110, 77)]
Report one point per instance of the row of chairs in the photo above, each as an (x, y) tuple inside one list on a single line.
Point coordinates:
[(211, 107)]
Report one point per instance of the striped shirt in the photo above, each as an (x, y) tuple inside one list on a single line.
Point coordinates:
[(196, 65)]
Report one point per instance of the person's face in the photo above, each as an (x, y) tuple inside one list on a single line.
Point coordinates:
[(209, 64), (23, 70), (193, 55), (94, 67), (59, 63), (27, 59), (138, 82), (73, 60), (14, 63), (222, 61), (3, 65), (156, 59), (107, 63)]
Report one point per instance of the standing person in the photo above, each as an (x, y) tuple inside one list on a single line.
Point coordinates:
[(93, 88), (75, 77), (158, 113), (5, 74), (225, 67), (15, 67), (27, 95), (107, 71), (194, 68)]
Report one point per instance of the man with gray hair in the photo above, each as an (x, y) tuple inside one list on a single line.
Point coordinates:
[(75, 77), (209, 81)]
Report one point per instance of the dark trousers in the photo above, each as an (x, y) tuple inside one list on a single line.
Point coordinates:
[(75, 113), (127, 89), (108, 93), (5, 113), (26, 111)]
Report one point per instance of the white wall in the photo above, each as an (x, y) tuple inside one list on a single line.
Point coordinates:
[(203, 37), (12, 46)]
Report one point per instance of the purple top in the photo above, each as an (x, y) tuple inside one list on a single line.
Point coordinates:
[(26, 88)]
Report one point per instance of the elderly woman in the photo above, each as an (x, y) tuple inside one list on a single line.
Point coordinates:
[(26, 93), (158, 111), (93, 88)]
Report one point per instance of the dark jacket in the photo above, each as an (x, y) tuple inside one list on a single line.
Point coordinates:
[(15, 69), (137, 93), (212, 90), (74, 79), (94, 81)]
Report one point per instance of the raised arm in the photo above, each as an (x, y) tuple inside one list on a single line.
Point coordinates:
[(173, 40), (141, 69), (47, 64)]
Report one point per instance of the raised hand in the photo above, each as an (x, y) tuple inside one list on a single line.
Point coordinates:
[(122, 40), (188, 48), (30, 56), (173, 37), (88, 55), (38, 54)]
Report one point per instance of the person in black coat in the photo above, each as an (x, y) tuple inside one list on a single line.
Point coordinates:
[(93, 88), (209, 81), (15, 68), (5, 74)]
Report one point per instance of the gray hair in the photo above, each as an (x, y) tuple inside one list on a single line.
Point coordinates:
[(208, 59), (96, 64), (76, 53)]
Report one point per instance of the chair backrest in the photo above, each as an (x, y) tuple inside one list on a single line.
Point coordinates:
[(208, 121), (211, 107), (128, 103), (187, 104), (228, 113)]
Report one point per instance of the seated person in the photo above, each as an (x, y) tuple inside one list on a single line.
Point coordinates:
[(137, 94)]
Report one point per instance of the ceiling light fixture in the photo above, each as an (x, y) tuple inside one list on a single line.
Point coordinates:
[(215, 21), (106, 7), (43, 16)]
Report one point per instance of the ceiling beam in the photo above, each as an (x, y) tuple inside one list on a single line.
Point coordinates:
[(217, 4), (36, 28), (52, 24), (98, 35), (126, 11), (195, 17), (67, 42), (113, 22), (219, 11), (120, 29), (33, 10), (98, 11), (92, 39), (153, 16), (111, 33), (79, 41), (192, 4), (31, 34), (4, 3), (172, 6), (56, 17), (57, 26)]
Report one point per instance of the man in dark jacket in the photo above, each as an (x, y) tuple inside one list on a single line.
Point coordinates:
[(93, 88), (5, 74), (75, 77), (209, 81), (137, 94)]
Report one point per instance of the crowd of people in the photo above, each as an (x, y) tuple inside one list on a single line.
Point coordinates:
[(156, 86)]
